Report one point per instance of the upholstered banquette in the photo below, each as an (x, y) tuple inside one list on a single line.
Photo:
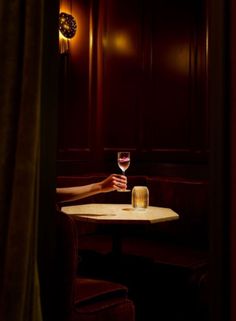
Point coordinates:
[(80, 298)]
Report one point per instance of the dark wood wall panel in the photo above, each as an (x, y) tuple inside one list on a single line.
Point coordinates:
[(75, 112), (171, 76), (122, 74), (150, 86), (136, 81)]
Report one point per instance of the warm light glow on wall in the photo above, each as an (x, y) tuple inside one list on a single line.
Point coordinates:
[(122, 43), (119, 43), (65, 6), (63, 44), (91, 41), (178, 59)]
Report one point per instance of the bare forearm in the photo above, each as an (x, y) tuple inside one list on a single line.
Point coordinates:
[(111, 183), (68, 194)]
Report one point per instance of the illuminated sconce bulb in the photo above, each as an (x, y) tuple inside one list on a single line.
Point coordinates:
[(67, 25)]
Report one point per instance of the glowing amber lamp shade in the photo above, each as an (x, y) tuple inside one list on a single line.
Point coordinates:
[(67, 25)]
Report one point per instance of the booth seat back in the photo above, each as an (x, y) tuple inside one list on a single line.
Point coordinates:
[(84, 299), (190, 199)]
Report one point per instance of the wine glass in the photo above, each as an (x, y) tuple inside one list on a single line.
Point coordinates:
[(123, 161)]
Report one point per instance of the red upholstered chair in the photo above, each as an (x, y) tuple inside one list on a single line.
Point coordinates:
[(84, 299)]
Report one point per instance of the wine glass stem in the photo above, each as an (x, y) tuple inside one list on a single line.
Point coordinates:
[(123, 172)]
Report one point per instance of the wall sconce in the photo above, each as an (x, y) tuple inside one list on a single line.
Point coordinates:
[(67, 28)]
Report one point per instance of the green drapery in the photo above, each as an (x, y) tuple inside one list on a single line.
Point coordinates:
[(21, 26)]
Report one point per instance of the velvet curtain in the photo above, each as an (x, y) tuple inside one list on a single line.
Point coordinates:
[(21, 30)]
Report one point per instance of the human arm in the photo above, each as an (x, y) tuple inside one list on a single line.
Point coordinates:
[(111, 183)]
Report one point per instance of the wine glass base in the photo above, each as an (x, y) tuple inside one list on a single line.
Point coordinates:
[(123, 190)]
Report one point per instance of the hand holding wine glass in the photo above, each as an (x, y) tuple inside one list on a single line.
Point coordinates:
[(123, 160)]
